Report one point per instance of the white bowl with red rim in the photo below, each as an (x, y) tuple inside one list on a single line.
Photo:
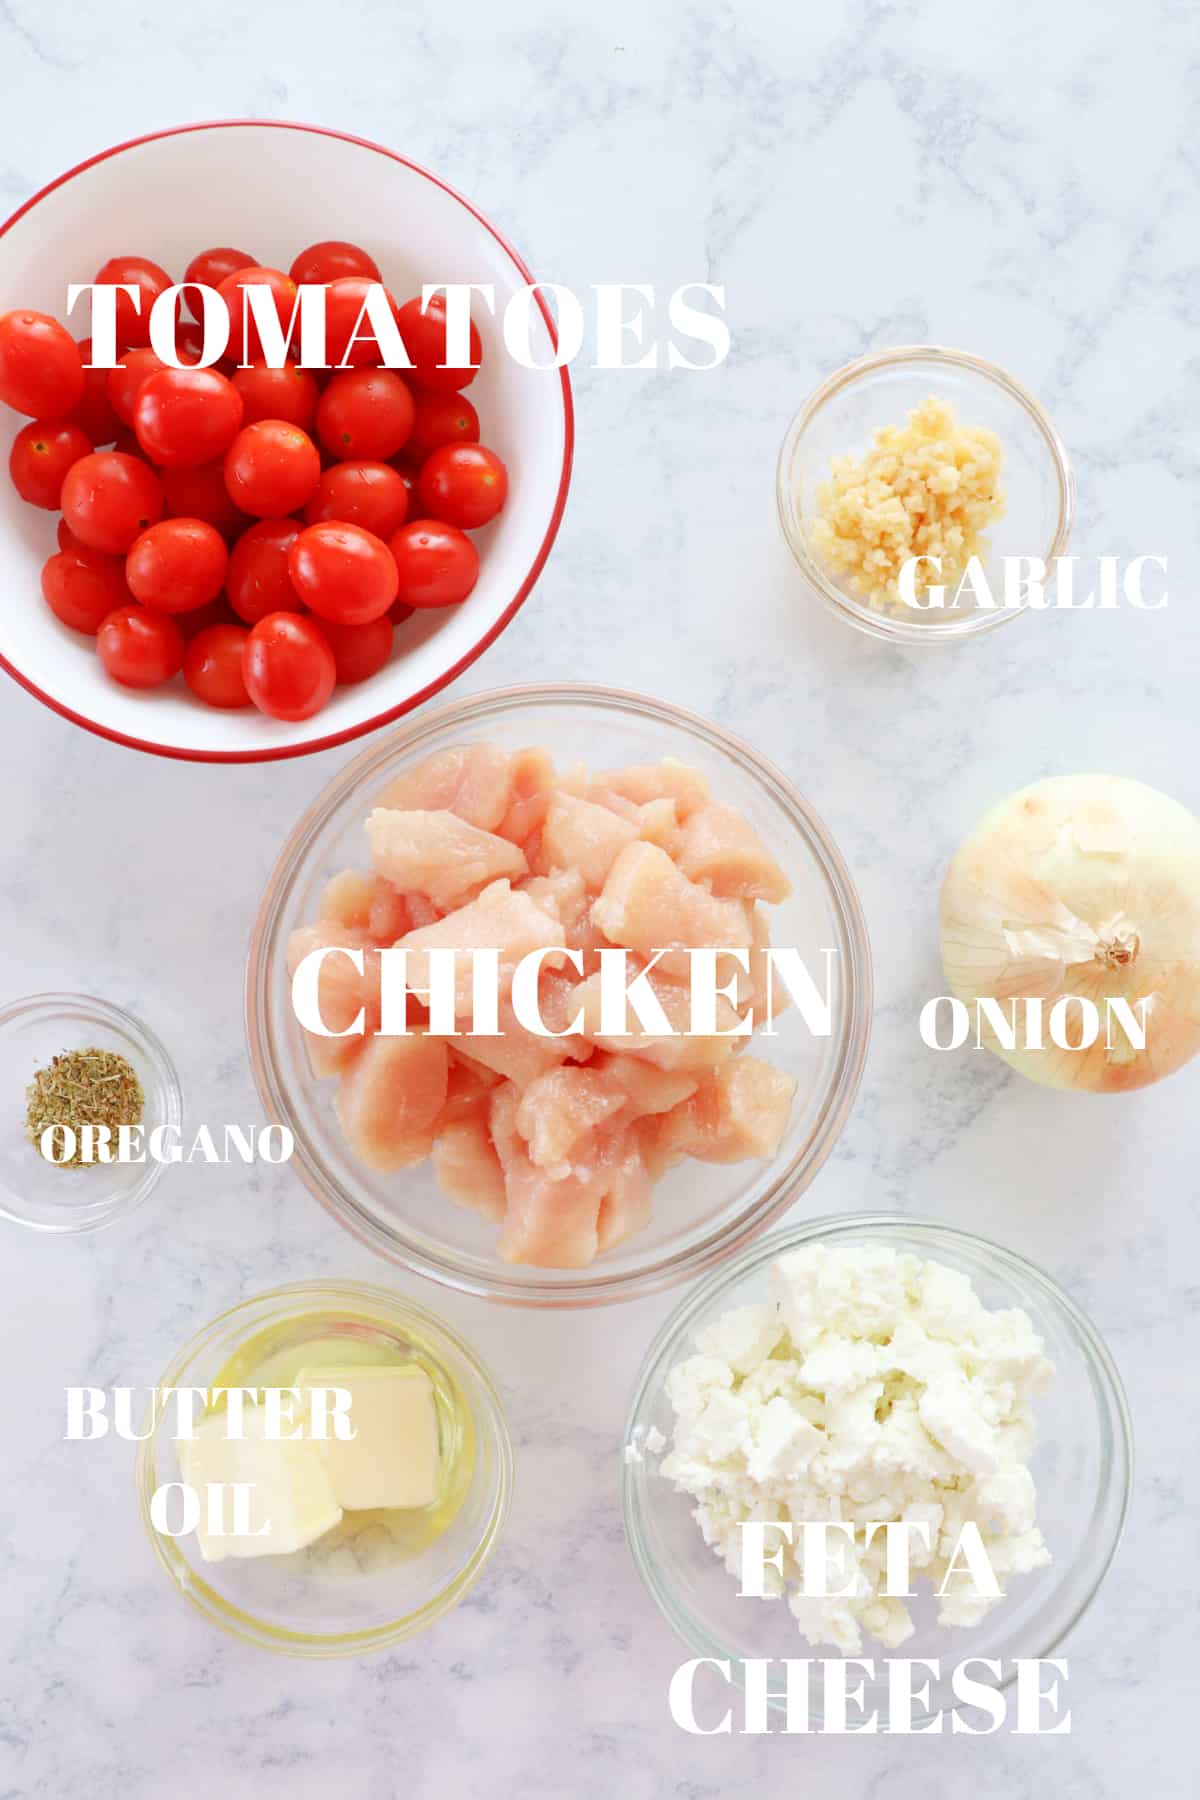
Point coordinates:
[(271, 188)]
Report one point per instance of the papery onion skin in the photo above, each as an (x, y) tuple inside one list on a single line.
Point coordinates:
[(1081, 885)]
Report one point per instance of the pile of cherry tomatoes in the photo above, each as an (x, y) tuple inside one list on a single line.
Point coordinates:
[(262, 529)]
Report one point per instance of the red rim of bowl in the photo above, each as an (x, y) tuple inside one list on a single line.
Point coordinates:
[(279, 753)]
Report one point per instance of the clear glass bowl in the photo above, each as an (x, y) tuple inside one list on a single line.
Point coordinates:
[(36, 1192), (702, 1212), (364, 1593), (882, 389), (1082, 1465)]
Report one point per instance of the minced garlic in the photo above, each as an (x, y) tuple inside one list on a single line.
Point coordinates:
[(930, 487)]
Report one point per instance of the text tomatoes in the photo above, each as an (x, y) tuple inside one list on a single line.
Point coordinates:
[(81, 587), (212, 666), (288, 666), (39, 460), (289, 393), (41, 370), (245, 344), (331, 261), (424, 332), (271, 468), (140, 648), (148, 281), (365, 413), (186, 417), (108, 498), (176, 565), (436, 564), (350, 340), (257, 580), (359, 651), (464, 484), (343, 573), (370, 494)]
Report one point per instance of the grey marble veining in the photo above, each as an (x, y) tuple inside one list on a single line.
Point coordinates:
[(1017, 179)]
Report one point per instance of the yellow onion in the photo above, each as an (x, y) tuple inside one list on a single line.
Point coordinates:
[(1082, 885)]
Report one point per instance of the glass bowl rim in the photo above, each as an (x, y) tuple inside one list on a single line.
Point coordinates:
[(90, 1007), (242, 1624), (840, 1225), (874, 622), (718, 1245)]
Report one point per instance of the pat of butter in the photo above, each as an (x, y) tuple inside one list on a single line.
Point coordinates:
[(290, 1490), (392, 1460)]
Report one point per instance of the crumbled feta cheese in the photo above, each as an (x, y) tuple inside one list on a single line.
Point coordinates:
[(874, 1387)]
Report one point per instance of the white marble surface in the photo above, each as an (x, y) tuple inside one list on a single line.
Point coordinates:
[(1017, 179)]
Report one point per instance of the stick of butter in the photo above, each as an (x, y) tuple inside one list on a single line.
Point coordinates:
[(291, 1492), (392, 1460)]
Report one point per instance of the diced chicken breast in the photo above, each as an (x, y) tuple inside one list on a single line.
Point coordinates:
[(560, 1111), (675, 1052), (668, 779), (647, 905), (739, 1111), (501, 918), (721, 848), (439, 854), (579, 835), (658, 823), (565, 895), (341, 992), (467, 1167), (421, 911), (647, 1089), (515, 1054), (472, 780), (346, 900), (389, 1098), (625, 1207)]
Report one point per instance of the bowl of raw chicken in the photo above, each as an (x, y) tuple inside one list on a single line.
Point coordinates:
[(588, 1165)]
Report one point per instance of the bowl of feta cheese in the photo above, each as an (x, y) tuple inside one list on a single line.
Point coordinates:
[(873, 1437)]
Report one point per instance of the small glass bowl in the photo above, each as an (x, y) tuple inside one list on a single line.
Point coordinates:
[(882, 389), (359, 1598), (701, 1211), (1082, 1464), (68, 1198)]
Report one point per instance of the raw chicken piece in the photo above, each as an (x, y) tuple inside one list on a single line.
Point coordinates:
[(439, 854), (754, 985), (551, 1224), (579, 835), (467, 1085), (389, 1098), (501, 918), (674, 1053), (341, 992), (648, 905), (646, 1089), (531, 778), (668, 779), (421, 911), (718, 846), (658, 823), (560, 1110), (467, 1167), (625, 1207), (472, 781), (739, 1111), (389, 917), (346, 900), (565, 895)]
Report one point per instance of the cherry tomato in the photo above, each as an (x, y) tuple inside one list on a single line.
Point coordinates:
[(126, 442), (201, 494), (437, 564), (343, 573), (440, 419), (68, 541), (148, 280), (186, 417), (288, 666), (212, 666), (39, 460), (41, 370), (408, 474), (289, 393), (359, 651), (370, 494), (257, 581), (332, 260), (365, 413), (189, 343), (95, 414), (209, 268), (464, 484), (125, 381), (424, 335), (344, 301), (108, 499), (283, 294), (271, 468), (140, 648), (399, 611), (81, 587), (177, 565)]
